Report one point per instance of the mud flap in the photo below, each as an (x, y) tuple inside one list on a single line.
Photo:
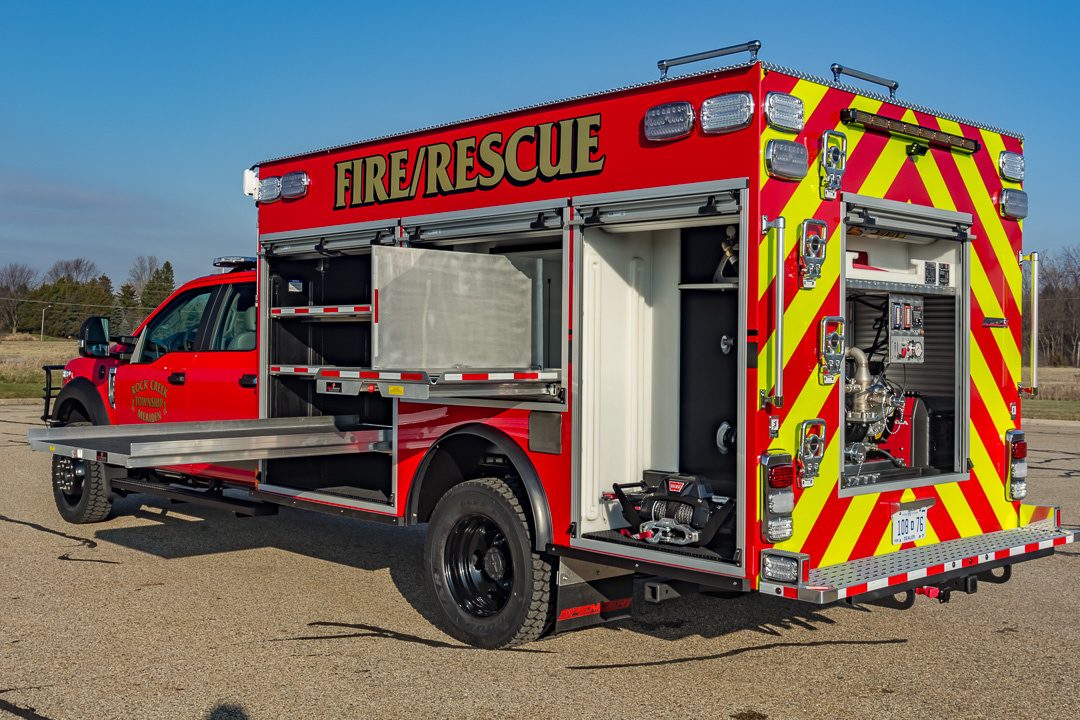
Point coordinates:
[(590, 594)]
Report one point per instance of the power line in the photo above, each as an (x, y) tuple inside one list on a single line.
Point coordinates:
[(57, 302)]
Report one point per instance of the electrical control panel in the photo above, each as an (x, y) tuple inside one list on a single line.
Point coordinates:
[(905, 323)]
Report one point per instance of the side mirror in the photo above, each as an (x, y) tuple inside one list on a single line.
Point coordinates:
[(94, 337)]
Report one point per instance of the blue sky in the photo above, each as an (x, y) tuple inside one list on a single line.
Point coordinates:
[(125, 127)]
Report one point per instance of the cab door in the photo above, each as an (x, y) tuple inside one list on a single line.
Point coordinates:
[(221, 378), (153, 387)]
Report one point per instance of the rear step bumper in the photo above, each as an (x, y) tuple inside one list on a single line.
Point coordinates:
[(881, 575)]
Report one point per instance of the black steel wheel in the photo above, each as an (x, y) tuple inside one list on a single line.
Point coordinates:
[(79, 489), (492, 589)]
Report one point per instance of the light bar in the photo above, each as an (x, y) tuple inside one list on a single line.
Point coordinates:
[(851, 116), (786, 160), (1011, 166), (784, 112), (294, 185), (724, 113), (1014, 203), (269, 190), (669, 121)]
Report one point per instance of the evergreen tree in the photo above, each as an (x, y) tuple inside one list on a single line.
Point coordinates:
[(158, 287), (126, 315)]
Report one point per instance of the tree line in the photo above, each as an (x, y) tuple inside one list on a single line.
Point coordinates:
[(1059, 308), (73, 289)]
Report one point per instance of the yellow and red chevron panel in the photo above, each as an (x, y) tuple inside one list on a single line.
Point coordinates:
[(829, 528)]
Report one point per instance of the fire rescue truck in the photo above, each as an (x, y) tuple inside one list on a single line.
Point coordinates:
[(746, 329)]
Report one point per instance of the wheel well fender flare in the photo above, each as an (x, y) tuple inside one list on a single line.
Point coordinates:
[(82, 392), (537, 498)]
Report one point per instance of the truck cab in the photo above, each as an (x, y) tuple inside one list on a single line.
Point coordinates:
[(194, 358)]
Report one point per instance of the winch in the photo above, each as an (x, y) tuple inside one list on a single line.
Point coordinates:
[(681, 510)]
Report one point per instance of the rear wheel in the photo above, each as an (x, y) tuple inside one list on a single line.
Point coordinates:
[(492, 589), (79, 488)]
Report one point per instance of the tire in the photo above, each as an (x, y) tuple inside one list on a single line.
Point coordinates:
[(79, 488), (492, 590)]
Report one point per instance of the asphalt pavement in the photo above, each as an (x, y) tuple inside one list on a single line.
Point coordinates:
[(178, 611)]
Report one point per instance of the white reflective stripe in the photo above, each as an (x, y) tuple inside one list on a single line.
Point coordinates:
[(841, 593), (389, 376), (349, 374), (500, 376), (549, 376), (1016, 551), (916, 574), (877, 584), (955, 564), (1045, 544), (1069, 536)]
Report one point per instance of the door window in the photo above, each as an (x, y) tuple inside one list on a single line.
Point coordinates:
[(176, 328), (236, 328)]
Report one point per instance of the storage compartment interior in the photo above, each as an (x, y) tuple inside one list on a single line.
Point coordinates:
[(660, 378), (362, 476), (904, 386)]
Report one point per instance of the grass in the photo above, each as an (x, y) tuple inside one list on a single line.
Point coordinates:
[(21, 359), (1052, 409)]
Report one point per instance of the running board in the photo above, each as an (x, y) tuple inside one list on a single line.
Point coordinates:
[(222, 442), (196, 497)]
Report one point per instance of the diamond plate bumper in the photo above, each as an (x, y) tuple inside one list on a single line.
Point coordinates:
[(845, 580)]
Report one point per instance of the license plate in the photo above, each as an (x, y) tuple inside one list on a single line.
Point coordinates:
[(909, 526)]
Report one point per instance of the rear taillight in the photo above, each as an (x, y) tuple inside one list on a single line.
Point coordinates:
[(781, 476), (778, 495), (1016, 482)]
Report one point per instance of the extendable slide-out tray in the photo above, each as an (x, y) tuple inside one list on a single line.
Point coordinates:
[(139, 446)]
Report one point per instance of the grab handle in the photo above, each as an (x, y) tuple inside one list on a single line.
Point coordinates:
[(838, 70), (752, 47), (779, 225), (1033, 388)]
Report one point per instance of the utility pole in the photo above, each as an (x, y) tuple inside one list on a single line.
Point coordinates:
[(43, 321)]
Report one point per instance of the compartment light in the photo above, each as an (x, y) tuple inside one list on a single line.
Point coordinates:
[(781, 502), (784, 112), (269, 190), (786, 160), (669, 121), (294, 185), (724, 113), (780, 568), (1011, 166), (1014, 203)]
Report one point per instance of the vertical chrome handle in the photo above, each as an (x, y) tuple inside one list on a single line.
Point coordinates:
[(1033, 388), (779, 224)]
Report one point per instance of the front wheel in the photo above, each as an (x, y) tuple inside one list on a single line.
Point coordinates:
[(492, 589), (79, 489)]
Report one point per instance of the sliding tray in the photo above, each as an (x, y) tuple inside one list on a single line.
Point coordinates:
[(140, 446)]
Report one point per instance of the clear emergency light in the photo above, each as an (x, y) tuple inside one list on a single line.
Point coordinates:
[(269, 190), (780, 568), (1011, 166), (1014, 203), (784, 112), (669, 121), (294, 185), (724, 113), (786, 160)]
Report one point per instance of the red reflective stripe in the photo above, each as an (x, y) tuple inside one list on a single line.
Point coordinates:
[(474, 376), (331, 373), (526, 376), (412, 376), (301, 311), (376, 303)]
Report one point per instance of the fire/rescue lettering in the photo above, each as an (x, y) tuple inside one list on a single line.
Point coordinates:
[(548, 151)]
